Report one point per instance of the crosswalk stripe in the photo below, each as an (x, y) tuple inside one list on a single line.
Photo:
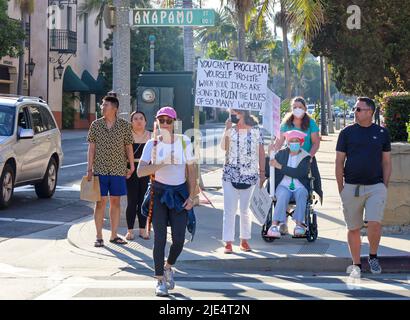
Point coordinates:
[(72, 287)]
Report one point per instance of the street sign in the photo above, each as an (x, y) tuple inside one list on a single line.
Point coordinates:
[(172, 17)]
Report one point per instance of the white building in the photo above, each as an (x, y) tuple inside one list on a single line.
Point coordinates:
[(67, 52)]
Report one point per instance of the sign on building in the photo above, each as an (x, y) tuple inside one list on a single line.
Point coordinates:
[(172, 17), (231, 84)]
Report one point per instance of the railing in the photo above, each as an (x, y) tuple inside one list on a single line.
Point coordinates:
[(63, 41)]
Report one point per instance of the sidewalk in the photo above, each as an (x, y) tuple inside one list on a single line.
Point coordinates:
[(328, 253)]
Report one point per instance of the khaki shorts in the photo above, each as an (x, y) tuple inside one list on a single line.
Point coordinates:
[(371, 199)]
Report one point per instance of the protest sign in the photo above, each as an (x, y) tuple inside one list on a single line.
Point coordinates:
[(231, 84), (260, 204), (271, 114)]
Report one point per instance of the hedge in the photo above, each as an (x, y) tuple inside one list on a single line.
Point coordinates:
[(396, 111)]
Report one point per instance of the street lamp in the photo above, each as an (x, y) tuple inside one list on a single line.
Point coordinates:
[(151, 39), (30, 67), (60, 70)]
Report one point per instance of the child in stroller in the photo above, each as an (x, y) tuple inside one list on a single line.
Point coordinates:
[(296, 177)]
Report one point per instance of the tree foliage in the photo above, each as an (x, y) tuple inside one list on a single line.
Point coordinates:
[(11, 33), (362, 58), (169, 54)]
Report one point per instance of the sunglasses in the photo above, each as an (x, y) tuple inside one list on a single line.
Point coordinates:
[(358, 109), (168, 121)]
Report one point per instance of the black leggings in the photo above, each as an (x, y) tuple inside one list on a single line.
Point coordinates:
[(136, 188), (178, 221)]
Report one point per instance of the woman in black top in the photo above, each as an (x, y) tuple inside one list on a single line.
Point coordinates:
[(137, 187)]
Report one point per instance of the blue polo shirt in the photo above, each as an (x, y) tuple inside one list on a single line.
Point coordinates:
[(364, 147)]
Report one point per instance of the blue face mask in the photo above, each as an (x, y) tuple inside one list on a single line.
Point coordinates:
[(294, 146)]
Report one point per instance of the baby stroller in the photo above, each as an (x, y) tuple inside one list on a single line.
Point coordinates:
[(310, 214)]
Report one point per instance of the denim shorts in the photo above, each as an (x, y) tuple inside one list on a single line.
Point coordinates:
[(113, 185)]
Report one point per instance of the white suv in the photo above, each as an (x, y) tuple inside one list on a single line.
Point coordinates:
[(30, 147)]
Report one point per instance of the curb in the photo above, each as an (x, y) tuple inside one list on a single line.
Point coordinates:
[(390, 264)]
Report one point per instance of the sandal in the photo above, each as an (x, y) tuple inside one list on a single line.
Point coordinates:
[(118, 240), (129, 236), (99, 243)]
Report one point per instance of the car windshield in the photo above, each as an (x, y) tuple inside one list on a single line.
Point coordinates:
[(6, 120)]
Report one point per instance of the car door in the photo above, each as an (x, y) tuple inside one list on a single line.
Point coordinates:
[(41, 142), (23, 148)]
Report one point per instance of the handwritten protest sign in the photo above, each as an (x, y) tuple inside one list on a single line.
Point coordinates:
[(231, 84), (260, 204), (271, 114)]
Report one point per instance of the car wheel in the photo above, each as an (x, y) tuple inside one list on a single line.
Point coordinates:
[(6, 186), (46, 188)]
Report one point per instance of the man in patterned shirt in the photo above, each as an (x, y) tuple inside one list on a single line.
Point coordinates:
[(110, 144)]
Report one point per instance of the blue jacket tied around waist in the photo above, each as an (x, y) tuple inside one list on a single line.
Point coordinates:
[(173, 197)]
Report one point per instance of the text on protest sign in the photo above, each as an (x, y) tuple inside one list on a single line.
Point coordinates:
[(231, 84)]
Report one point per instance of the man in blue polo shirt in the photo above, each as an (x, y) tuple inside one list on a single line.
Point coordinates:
[(363, 169)]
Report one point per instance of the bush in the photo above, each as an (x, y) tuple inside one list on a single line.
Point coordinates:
[(68, 111), (396, 110), (408, 132)]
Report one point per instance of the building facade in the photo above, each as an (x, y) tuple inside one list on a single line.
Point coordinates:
[(67, 50)]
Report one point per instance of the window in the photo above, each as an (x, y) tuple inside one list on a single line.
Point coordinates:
[(69, 18), (7, 120), (23, 122), (47, 119), (100, 34), (38, 125), (85, 27)]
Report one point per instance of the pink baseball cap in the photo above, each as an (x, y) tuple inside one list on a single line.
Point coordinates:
[(289, 135), (167, 111)]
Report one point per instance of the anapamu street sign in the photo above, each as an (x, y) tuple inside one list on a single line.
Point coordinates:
[(172, 17)]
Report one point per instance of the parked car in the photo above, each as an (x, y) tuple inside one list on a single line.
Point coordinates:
[(351, 115), (30, 147)]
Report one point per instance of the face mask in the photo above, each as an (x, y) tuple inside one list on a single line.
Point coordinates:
[(298, 113), (234, 119), (294, 146)]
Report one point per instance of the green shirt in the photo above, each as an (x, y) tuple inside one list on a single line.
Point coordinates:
[(110, 146), (308, 139)]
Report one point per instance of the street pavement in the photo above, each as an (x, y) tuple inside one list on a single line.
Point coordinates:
[(46, 249)]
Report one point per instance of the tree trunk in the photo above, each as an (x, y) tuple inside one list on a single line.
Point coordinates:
[(188, 43), (241, 36), (286, 59), (21, 58), (121, 58), (323, 123)]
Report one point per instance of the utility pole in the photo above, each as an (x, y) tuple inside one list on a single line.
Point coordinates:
[(151, 39), (121, 57), (323, 122)]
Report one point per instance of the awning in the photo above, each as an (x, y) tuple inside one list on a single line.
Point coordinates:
[(72, 83), (97, 87), (101, 86)]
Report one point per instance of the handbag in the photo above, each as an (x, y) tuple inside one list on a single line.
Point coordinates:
[(90, 190)]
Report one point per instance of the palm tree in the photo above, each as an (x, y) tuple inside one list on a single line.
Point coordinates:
[(26, 9), (303, 17), (241, 9), (223, 32)]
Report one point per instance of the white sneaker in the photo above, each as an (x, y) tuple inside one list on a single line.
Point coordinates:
[(283, 229), (354, 271), (299, 231), (273, 232), (169, 278), (161, 289)]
